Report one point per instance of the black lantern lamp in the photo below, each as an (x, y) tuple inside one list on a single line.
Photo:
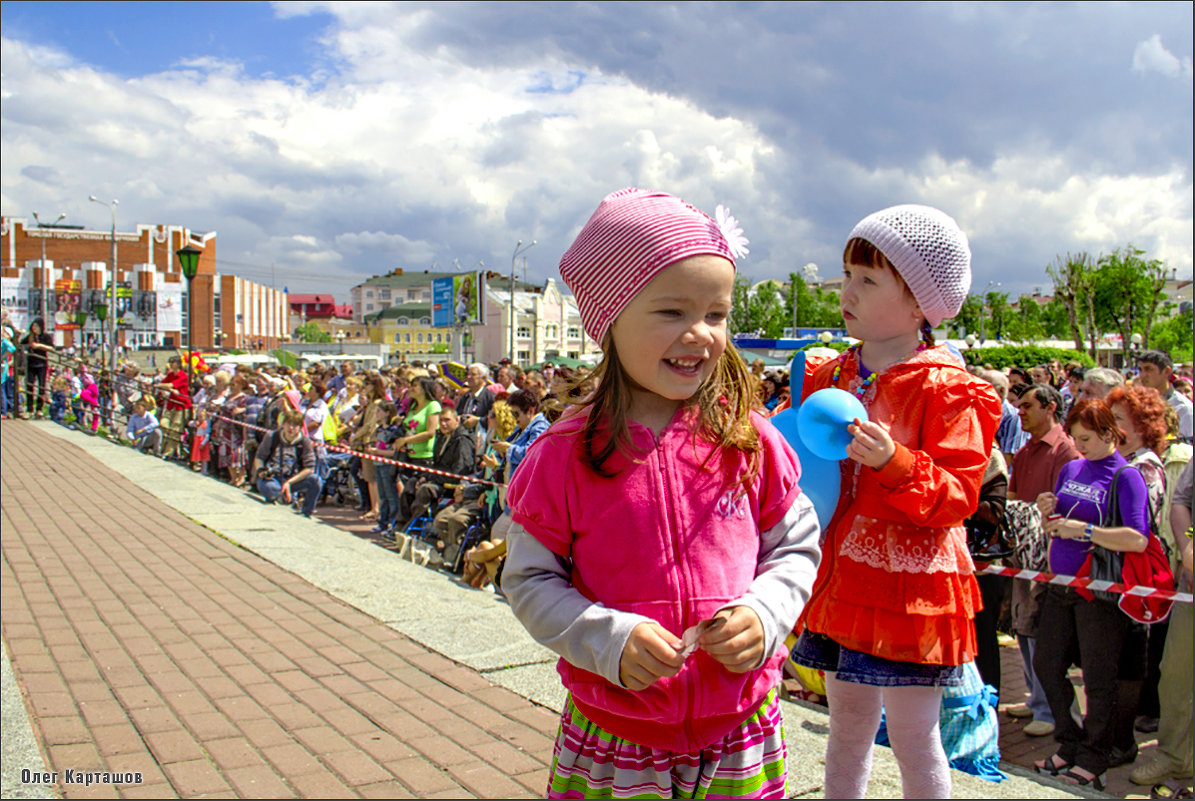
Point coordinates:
[(188, 260)]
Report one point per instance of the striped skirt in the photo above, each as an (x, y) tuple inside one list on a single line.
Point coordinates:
[(749, 762)]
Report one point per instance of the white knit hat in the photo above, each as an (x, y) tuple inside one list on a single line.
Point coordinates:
[(929, 250)]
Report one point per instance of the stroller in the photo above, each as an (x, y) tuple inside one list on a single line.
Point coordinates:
[(339, 485)]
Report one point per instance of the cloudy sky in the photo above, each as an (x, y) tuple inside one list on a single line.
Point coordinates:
[(340, 140)]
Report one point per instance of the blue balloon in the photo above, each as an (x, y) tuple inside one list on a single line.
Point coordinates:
[(823, 419), (820, 479)]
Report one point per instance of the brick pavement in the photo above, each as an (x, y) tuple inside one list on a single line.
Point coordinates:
[(144, 642)]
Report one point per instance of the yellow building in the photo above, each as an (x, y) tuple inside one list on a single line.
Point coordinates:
[(407, 330)]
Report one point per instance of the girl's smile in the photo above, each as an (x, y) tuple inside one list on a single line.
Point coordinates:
[(672, 334)]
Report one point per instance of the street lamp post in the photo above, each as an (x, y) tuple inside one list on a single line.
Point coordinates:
[(42, 264), (519, 248), (188, 260), (111, 286), (983, 304), (100, 310)]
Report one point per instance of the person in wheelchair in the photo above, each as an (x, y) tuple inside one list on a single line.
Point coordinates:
[(454, 451), (284, 465), (452, 522)]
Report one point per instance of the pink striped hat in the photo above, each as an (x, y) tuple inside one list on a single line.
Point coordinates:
[(633, 235)]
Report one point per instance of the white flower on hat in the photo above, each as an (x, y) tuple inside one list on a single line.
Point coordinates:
[(732, 232)]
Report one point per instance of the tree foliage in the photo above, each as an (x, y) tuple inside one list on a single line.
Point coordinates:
[(1174, 336), (310, 332), (817, 308), (765, 311), (1074, 281), (740, 301), (1127, 291), (1024, 355)]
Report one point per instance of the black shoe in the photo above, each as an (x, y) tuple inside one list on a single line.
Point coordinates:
[(1121, 756), (1146, 724)]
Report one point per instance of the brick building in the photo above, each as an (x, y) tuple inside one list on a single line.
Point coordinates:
[(58, 271)]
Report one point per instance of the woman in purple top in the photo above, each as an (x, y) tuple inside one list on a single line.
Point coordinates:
[(1092, 633)]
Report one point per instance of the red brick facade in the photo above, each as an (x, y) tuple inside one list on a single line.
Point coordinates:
[(145, 261)]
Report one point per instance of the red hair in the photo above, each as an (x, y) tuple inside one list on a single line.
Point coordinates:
[(1146, 410), (1095, 416)]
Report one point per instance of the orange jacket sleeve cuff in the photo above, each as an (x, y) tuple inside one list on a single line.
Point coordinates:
[(899, 468)]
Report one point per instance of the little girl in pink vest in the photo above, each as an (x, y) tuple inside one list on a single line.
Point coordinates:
[(660, 543)]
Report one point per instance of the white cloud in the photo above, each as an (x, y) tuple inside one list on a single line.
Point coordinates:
[(1152, 56), (403, 154)]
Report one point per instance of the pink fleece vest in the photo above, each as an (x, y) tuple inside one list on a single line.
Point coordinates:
[(671, 537)]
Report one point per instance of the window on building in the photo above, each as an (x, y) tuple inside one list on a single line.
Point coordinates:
[(551, 331), (524, 357), (384, 294), (419, 337), (572, 354), (574, 332), (448, 337), (368, 307), (397, 339), (523, 332), (408, 338), (369, 293), (439, 338), (425, 321), (402, 321), (425, 294)]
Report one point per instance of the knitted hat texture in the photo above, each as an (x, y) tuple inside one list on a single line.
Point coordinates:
[(633, 235), (929, 250)]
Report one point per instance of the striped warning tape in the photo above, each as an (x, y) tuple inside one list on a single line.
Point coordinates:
[(373, 457), (1075, 581)]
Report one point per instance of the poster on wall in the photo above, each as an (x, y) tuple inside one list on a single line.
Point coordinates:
[(458, 300), (170, 307), (124, 305), (442, 301), (144, 311), (67, 301), (469, 300), (14, 294), (41, 307)]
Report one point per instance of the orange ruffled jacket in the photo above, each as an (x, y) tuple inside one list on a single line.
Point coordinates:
[(896, 579)]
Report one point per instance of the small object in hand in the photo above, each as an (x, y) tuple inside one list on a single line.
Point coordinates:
[(692, 634)]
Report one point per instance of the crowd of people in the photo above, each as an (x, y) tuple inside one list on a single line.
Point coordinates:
[(1077, 469)]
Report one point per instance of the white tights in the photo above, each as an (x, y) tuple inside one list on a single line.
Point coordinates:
[(912, 718)]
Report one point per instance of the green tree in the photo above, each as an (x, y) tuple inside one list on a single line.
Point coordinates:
[(1127, 293), (997, 314), (969, 316), (1174, 336), (1054, 319), (310, 332), (740, 301), (765, 312), (1074, 279), (1027, 324)]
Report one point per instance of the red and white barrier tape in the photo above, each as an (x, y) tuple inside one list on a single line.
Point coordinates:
[(373, 457), (1075, 581)]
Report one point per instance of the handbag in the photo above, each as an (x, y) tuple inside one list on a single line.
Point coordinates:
[(1030, 545), (1150, 568)]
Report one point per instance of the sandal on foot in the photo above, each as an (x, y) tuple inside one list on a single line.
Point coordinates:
[(1168, 790), (1095, 782), (1052, 766)]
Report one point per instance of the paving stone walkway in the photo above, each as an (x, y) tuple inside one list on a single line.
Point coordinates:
[(147, 644)]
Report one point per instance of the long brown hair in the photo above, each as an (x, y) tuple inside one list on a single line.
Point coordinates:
[(723, 404)]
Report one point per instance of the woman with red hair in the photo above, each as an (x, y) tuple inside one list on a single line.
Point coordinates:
[(1141, 414), (1077, 627)]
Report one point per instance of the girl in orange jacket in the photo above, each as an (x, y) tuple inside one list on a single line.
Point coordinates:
[(890, 617)]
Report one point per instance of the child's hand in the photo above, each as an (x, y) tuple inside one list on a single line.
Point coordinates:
[(872, 444), (651, 653), (737, 643)]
